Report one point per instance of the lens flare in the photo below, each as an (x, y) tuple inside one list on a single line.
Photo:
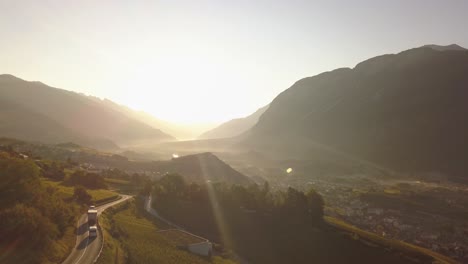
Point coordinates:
[(217, 210)]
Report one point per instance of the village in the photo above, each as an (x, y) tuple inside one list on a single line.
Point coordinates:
[(429, 230)]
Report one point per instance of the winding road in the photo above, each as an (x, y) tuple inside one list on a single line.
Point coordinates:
[(87, 249)]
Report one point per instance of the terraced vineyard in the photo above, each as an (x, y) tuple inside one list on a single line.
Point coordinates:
[(131, 238)]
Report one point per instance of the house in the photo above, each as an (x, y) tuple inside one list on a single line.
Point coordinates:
[(195, 244), (376, 211)]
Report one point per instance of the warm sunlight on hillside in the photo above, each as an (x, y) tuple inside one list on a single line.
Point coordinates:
[(233, 132)]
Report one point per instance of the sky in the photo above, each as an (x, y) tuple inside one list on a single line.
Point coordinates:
[(209, 61)]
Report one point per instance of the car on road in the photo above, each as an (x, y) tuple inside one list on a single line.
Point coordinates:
[(92, 231)]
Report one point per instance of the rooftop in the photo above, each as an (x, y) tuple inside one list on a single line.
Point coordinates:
[(180, 237)]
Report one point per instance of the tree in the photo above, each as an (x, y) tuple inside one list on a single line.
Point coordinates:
[(295, 202), (173, 184), (137, 179), (147, 188), (315, 204), (89, 180), (54, 172), (19, 180), (81, 195)]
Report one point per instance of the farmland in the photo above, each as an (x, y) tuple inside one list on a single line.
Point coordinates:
[(98, 195)]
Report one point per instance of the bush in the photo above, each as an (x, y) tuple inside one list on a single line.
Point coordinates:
[(81, 195)]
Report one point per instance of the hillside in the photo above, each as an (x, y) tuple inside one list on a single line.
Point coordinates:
[(39, 127), (199, 168), (28, 207), (405, 111), (140, 239), (276, 226), (71, 116), (234, 127), (202, 168)]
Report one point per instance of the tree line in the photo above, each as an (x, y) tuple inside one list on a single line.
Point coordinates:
[(255, 221)]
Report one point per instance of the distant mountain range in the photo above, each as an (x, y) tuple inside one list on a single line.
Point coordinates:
[(179, 131), (234, 127), (406, 111), (35, 111)]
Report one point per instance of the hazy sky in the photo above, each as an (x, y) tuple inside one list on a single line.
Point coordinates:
[(209, 61)]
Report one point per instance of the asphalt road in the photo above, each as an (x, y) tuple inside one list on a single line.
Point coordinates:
[(87, 249)]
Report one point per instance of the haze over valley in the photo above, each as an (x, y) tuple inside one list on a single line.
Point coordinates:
[(234, 132)]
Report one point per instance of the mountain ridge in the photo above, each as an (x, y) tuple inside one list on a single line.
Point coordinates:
[(87, 119), (394, 109), (234, 127)]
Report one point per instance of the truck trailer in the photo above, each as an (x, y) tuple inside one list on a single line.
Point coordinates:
[(92, 216)]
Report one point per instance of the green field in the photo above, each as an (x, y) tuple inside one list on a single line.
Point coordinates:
[(132, 238), (117, 181), (67, 191), (122, 186)]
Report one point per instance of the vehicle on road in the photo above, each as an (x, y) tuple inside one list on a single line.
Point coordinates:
[(92, 216), (92, 231)]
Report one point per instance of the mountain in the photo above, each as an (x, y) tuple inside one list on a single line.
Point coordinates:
[(444, 48), (405, 111), (234, 127), (202, 168), (39, 126), (180, 131), (35, 111)]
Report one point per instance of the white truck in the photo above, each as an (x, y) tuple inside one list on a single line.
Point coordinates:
[(92, 216), (92, 231)]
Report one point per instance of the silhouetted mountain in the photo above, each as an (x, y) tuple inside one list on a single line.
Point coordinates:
[(406, 111), (444, 48), (35, 111), (204, 167), (234, 127)]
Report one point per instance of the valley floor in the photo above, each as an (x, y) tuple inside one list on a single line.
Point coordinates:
[(430, 215)]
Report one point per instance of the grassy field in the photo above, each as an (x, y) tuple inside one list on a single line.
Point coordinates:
[(117, 181), (371, 239), (122, 186), (67, 191), (132, 238)]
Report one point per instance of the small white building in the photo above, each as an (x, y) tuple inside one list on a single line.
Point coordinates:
[(376, 211), (203, 248), (193, 243)]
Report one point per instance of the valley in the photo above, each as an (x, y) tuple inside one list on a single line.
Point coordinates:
[(367, 161)]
